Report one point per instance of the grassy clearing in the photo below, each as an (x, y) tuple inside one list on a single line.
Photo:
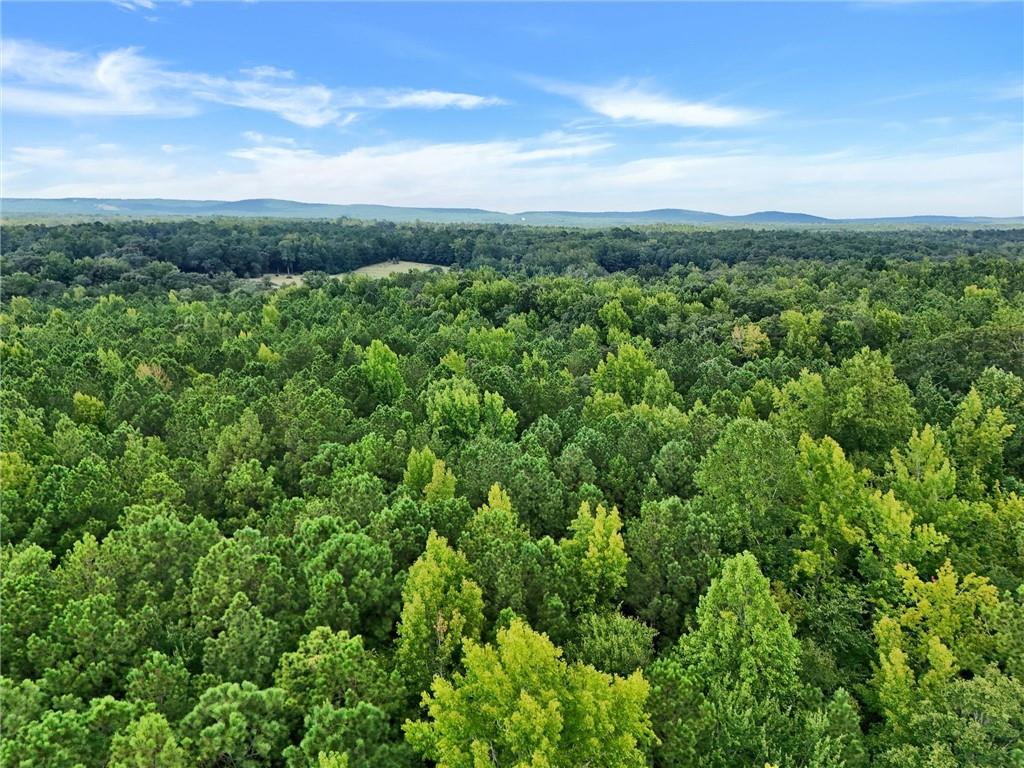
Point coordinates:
[(385, 268), (375, 271)]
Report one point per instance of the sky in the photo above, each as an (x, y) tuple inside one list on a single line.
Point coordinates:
[(834, 109)]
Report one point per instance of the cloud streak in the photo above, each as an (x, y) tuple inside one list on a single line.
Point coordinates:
[(634, 102), (123, 82)]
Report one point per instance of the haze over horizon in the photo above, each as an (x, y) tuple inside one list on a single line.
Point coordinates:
[(522, 107)]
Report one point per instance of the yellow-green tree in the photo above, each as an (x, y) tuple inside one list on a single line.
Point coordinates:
[(519, 703)]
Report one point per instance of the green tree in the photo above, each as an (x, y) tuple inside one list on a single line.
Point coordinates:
[(495, 545), (612, 643), (350, 701), (625, 373), (245, 646), (238, 724), (441, 608), (349, 576), (723, 696), (871, 410), (381, 370), (596, 554), (977, 437), (518, 703), (147, 742)]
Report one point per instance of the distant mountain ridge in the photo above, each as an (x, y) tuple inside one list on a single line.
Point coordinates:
[(101, 207)]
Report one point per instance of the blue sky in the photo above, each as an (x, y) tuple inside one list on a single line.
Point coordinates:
[(862, 109)]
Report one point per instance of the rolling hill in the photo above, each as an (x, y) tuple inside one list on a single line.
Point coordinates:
[(91, 207)]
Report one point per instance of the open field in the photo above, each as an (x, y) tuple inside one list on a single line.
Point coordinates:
[(380, 269), (386, 268)]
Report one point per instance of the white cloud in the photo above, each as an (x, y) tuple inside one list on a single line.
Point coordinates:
[(39, 156), (49, 81), (631, 101), (559, 172), (310, 106), (122, 82), (1008, 92), (266, 72), (134, 5), (255, 137), (437, 100)]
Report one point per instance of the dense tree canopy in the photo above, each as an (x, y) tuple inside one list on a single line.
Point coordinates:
[(654, 496)]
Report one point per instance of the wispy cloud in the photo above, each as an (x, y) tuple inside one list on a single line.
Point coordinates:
[(122, 82), (51, 81), (1009, 92), (39, 156), (311, 106), (255, 137), (632, 101), (437, 100), (135, 5)]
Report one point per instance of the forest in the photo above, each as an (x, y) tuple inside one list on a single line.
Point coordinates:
[(652, 496)]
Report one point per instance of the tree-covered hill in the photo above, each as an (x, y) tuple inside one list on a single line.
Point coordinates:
[(99, 207)]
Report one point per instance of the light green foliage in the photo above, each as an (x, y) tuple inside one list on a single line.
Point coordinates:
[(495, 345), (945, 627), (1005, 390), (924, 478), (614, 317), (382, 372), (624, 373), (845, 525), (871, 410), (518, 703), (332, 760), (271, 315), (441, 607), (147, 743), (454, 408), (457, 410), (749, 340), (267, 356), (613, 643), (803, 332), (419, 470), (940, 694), (454, 362), (976, 722), (801, 406), (597, 554), (88, 409), (442, 484), (977, 437)]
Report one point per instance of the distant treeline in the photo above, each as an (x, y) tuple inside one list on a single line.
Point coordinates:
[(43, 259)]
